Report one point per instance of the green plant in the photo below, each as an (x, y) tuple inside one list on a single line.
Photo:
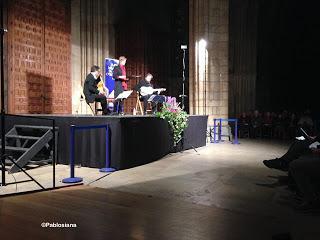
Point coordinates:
[(177, 119)]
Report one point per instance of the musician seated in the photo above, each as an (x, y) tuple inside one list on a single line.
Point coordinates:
[(146, 92), (91, 91)]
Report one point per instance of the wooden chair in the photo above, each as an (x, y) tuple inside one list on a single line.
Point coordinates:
[(138, 105), (95, 108)]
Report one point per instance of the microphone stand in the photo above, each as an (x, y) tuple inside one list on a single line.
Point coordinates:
[(3, 141), (183, 95)]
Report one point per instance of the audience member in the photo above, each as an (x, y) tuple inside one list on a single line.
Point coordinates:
[(305, 172), (255, 124), (302, 161), (306, 121), (296, 150), (281, 125)]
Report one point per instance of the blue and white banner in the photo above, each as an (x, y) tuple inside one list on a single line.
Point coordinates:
[(109, 81)]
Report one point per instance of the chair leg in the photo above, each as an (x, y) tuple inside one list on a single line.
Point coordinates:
[(93, 112), (139, 107)]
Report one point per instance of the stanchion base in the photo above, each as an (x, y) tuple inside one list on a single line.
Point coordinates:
[(72, 180), (107, 170)]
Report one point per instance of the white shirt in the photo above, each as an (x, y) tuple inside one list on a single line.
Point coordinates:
[(94, 75)]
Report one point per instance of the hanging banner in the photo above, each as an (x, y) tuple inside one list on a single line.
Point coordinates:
[(110, 63)]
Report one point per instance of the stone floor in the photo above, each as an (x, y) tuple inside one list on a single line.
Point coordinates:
[(225, 176)]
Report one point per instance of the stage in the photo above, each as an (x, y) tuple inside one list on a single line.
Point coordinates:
[(134, 140)]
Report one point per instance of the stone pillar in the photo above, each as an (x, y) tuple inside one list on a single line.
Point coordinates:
[(91, 43), (208, 54)]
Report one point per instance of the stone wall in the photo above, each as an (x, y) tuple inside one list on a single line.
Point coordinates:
[(208, 65), (92, 41)]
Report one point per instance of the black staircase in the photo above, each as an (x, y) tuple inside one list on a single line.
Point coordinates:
[(27, 145)]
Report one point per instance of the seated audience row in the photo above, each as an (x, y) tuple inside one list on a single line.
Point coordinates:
[(284, 125)]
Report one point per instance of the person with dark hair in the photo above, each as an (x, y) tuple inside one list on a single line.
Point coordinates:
[(244, 125), (306, 121), (146, 90), (90, 89), (256, 124), (146, 82), (120, 77)]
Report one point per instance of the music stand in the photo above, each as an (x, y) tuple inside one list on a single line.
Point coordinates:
[(157, 98), (121, 96)]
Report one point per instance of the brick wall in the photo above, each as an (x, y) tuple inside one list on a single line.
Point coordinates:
[(39, 56)]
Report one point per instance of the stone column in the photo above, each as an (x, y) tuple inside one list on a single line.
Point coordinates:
[(91, 43), (208, 54)]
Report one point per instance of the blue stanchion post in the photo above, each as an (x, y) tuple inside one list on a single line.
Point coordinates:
[(220, 127), (214, 130), (217, 129), (107, 168), (220, 120), (236, 132), (72, 178)]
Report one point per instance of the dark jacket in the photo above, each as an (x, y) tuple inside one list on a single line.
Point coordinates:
[(90, 89), (117, 72)]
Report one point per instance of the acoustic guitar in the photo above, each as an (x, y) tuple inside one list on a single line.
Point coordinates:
[(150, 90), (102, 89)]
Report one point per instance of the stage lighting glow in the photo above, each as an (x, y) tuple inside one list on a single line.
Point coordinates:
[(201, 71), (202, 57), (202, 43)]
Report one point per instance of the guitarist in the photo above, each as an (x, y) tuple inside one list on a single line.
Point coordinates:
[(91, 91), (146, 84), (120, 77)]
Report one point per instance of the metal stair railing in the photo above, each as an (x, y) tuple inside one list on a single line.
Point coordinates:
[(21, 142)]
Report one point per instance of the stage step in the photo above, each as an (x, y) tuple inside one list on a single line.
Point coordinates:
[(18, 149), (24, 142), (23, 137), (33, 127)]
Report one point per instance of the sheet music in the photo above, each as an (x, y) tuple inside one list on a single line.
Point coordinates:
[(151, 98), (124, 95)]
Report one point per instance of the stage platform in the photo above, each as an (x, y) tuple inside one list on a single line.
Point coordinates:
[(135, 140)]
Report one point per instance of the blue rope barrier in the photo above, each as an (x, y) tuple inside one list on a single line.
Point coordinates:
[(72, 178), (235, 120)]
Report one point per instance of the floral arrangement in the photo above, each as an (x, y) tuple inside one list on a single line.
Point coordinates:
[(175, 116)]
